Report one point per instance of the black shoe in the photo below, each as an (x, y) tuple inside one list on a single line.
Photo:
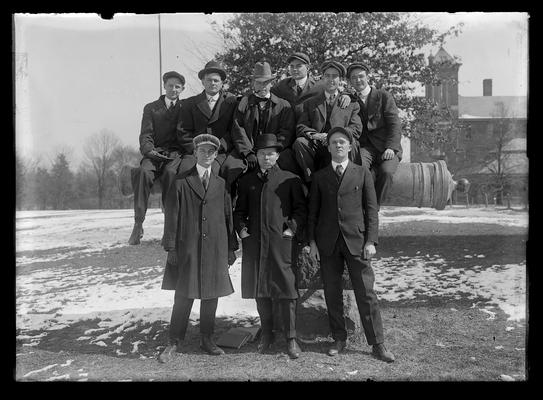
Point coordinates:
[(137, 234), (380, 352), (293, 349), (168, 353), (337, 347), (266, 341), (207, 345)]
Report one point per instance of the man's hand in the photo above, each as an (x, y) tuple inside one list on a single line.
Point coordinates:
[(388, 154), (319, 136), (344, 101), (251, 161), (314, 251), (155, 155), (172, 257), (369, 250), (231, 257)]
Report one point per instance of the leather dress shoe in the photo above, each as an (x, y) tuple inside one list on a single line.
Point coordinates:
[(380, 352), (168, 353), (137, 234), (337, 347), (265, 342), (207, 345), (293, 349)]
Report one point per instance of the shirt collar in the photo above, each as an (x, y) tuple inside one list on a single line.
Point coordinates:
[(328, 95), (202, 170), (168, 101), (214, 98), (301, 82), (343, 164), (366, 91)]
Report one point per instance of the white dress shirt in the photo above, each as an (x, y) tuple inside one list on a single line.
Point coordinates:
[(364, 94), (343, 164), (301, 82), (168, 102), (328, 95), (202, 170)]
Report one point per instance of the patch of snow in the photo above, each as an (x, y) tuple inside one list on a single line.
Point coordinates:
[(37, 371), (68, 362), (100, 343), (507, 378), (58, 378)]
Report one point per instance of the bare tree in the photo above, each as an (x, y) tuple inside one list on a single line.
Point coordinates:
[(62, 180), (99, 152), (124, 155)]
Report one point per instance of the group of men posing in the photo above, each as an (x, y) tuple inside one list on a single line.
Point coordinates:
[(287, 164)]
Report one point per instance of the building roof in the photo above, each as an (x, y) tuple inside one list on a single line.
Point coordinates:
[(485, 107), (443, 56)]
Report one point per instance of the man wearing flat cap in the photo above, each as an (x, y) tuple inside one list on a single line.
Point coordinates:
[(159, 147), (380, 141), (320, 114), (199, 239), (263, 112), (212, 112), (342, 230), (301, 86), (270, 212)]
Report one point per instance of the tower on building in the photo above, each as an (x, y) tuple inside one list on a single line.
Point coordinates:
[(444, 92)]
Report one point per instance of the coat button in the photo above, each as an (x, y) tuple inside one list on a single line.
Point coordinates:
[(203, 202), (204, 235), (204, 219)]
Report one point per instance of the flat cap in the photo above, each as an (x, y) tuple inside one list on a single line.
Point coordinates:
[(356, 65), (206, 138), (173, 74), (343, 131), (298, 56), (333, 64)]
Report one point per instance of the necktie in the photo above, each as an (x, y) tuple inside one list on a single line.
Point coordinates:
[(331, 100), (299, 90), (265, 175), (339, 171), (205, 179)]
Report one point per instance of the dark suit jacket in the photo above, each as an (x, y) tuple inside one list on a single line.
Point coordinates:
[(280, 122), (197, 118), (382, 126), (286, 89), (158, 126), (313, 117), (348, 207)]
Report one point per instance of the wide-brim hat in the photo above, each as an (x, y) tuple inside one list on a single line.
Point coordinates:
[(355, 65), (334, 64), (267, 140), (262, 72), (212, 67), (206, 138), (339, 129), (298, 56), (173, 74)]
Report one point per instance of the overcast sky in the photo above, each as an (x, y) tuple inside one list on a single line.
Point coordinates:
[(77, 74)]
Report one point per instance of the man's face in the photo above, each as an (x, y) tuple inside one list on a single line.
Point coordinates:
[(262, 89), (339, 147), (205, 154), (267, 157), (359, 79), (331, 79), (173, 88), (297, 69), (212, 83)]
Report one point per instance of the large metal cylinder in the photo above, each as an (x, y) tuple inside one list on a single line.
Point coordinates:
[(421, 185)]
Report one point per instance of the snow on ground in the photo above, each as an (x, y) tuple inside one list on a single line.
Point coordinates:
[(52, 298)]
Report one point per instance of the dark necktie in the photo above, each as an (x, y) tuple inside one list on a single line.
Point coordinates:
[(205, 179), (172, 105), (339, 171), (331, 100), (298, 90)]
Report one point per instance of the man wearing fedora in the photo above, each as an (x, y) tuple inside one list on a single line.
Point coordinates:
[(318, 115), (212, 112), (380, 141), (342, 229), (300, 85), (159, 147), (263, 112), (270, 211), (198, 236)]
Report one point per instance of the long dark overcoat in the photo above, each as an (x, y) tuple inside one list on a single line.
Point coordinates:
[(267, 207), (198, 224)]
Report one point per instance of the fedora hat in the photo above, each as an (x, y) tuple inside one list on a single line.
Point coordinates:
[(333, 64), (355, 65), (298, 56), (206, 138), (267, 140), (343, 131), (262, 72), (173, 74), (210, 67)]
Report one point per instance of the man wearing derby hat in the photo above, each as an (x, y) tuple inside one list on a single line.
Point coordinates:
[(199, 239), (159, 147), (320, 114), (270, 211), (380, 141), (342, 230), (212, 112), (263, 112)]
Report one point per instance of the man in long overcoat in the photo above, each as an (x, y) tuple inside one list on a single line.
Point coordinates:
[(320, 114), (199, 239), (159, 147), (270, 211)]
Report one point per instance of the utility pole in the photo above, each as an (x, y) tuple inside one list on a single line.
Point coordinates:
[(159, 59)]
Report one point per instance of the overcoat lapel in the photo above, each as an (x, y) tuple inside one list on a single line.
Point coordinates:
[(348, 176), (203, 105), (372, 105), (321, 105), (217, 109), (196, 184)]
